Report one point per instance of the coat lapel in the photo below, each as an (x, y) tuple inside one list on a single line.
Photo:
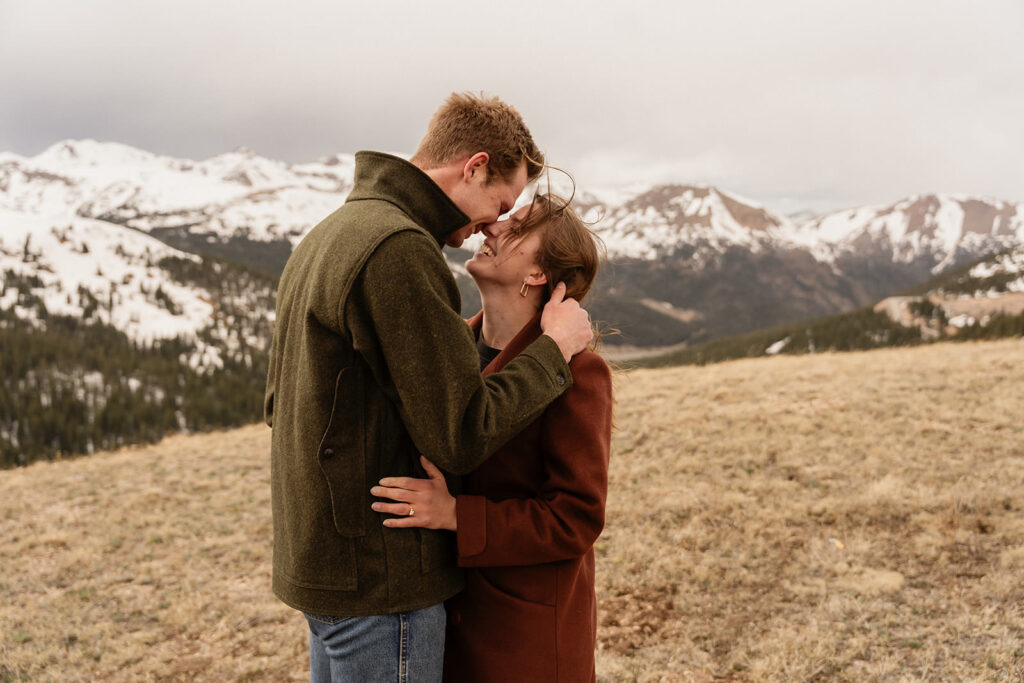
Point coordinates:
[(524, 338)]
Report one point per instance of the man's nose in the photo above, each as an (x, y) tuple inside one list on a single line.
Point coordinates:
[(495, 229)]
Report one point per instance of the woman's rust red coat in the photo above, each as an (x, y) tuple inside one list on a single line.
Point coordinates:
[(527, 522)]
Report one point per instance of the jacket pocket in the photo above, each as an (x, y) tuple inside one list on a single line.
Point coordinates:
[(342, 456), (496, 629), (319, 560), (535, 583)]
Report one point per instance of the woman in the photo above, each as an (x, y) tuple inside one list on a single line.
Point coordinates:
[(528, 517)]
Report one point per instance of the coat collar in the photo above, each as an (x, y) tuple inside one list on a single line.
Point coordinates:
[(395, 180), (523, 338)]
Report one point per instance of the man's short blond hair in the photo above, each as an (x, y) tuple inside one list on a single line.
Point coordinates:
[(467, 124)]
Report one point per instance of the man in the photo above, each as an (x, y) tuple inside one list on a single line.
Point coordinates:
[(371, 365)]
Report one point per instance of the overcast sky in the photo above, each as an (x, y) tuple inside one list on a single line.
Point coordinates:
[(813, 104)]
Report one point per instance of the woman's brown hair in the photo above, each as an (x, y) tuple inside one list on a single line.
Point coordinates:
[(569, 250)]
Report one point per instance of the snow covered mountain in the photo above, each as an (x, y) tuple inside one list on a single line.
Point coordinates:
[(94, 271), (941, 230), (701, 220), (137, 290), (241, 195), (227, 194), (728, 265), (1003, 272), (686, 260), (237, 205), (109, 336), (987, 293)]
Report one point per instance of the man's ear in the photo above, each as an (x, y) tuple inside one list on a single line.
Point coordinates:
[(476, 164)]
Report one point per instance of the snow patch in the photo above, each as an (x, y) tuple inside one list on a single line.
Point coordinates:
[(87, 266), (777, 347)]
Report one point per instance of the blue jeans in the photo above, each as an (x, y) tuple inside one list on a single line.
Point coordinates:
[(407, 647)]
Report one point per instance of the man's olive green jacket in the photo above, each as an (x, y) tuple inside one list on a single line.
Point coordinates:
[(371, 365)]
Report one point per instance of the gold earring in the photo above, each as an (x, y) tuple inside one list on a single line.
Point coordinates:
[(524, 289)]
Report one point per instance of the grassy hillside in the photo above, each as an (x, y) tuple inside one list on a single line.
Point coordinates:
[(847, 517)]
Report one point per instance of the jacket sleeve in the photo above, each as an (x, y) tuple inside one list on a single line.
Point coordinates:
[(567, 515), (404, 315)]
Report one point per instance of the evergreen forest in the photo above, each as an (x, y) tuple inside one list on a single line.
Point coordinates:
[(71, 385)]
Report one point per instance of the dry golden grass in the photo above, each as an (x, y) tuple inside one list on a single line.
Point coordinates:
[(837, 517), (851, 517), (147, 563)]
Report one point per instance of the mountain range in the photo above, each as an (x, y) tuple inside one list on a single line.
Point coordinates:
[(137, 290), (686, 263), (726, 265)]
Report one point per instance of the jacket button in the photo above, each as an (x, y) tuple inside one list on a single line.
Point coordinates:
[(328, 453), (455, 618), (560, 378)]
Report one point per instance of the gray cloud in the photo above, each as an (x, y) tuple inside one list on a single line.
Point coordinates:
[(796, 103)]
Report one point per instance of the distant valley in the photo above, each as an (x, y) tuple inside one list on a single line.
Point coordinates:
[(980, 300)]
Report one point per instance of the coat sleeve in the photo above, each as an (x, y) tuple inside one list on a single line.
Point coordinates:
[(404, 315), (567, 515)]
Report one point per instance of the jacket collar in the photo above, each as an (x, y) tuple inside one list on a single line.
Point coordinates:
[(395, 180), (523, 338)]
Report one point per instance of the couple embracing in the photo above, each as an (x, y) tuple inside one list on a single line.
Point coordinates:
[(437, 486)]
